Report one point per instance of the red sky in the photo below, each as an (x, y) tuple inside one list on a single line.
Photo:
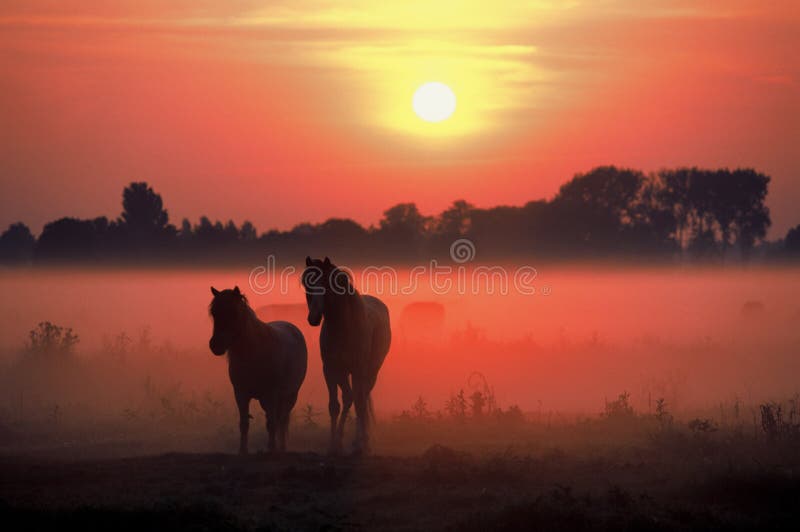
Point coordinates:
[(301, 110)]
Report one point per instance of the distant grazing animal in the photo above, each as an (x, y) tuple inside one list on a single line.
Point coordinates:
[(751, 309), (422, 321), (266, 362), (354, 341)]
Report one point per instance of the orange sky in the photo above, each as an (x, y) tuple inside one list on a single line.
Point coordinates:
[(301, 110)]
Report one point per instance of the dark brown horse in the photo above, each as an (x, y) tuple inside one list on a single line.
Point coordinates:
[(354, 341), (266, 362)]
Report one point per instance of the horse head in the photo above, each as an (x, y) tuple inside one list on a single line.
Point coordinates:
[(323, 281), (228, 310)]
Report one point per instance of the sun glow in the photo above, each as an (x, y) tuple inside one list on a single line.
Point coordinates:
[(434, 102)]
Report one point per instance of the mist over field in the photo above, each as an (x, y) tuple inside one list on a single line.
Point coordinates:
[(703, 340)]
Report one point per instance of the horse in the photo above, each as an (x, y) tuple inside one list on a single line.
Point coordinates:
[(354, 341), (266, 362)]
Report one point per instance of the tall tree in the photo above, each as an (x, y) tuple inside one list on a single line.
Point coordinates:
[(456, 220), (751, 217), (596, 207), (144, 218), (403, 229), (672, 193)]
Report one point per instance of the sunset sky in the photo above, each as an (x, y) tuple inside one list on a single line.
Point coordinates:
[(288, 111)]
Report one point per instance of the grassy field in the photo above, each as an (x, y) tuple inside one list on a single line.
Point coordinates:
[(603, 474)]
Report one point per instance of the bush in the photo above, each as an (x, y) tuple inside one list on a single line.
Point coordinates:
[(50, 339)]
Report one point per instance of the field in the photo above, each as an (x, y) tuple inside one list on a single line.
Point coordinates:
[(638, 400), (612, 473)]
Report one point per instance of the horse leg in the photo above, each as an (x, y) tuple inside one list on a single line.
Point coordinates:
[(272, 424), (347, 401), (283, 428), (361, 399), (287, 417), (333, 410), (243, 404)]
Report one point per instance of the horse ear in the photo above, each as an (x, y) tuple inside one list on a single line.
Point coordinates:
[(308, 260), (214, 291), (237, 291), (327, 261)]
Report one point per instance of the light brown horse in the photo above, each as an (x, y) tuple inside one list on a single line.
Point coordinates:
[(266, 362), (354, 341)]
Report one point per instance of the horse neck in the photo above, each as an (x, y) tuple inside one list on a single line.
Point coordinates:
[(249, 327), (344, 308)]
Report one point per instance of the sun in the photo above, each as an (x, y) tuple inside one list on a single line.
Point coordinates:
[(434, 102)]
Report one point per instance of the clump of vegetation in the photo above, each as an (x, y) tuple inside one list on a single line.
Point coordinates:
[(118, 346), (620, 408), (663, 415), (309, 415), (49, 339), (477, 402), (512, 416), (775, 424), (700, 426), (456, 406), (420, 409)]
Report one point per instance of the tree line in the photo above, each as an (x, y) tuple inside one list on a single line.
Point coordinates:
[(608, 212)]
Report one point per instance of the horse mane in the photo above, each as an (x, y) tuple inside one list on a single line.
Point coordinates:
[(243, 299), (350, 288), (329, 272)]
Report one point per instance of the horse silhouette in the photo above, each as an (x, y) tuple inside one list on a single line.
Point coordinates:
[(291, 312), (266, 362), (354, 341)]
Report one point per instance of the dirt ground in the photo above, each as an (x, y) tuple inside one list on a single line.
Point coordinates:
[(724, 486)]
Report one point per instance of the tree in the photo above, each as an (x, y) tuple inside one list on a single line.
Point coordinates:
[(751, 217), (144, 219), (792, 241), (403, 217), (652, 227), (402, 229), (185, 233), (714, 209), (16, 243), (672, 194), (231, 232), (420, 409), (248, 232), (595, 208), (456, 220), (502, 231), (208, 234), (74, 239)]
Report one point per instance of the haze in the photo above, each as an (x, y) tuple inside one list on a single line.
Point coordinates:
[(688, 335)]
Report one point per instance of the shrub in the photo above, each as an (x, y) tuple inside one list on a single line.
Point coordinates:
[(619, 408), (50, 339)]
